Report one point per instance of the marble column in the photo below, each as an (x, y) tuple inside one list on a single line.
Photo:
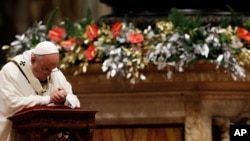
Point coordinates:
[(198, 125)]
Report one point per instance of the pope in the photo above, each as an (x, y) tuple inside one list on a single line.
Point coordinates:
[(29, 79)]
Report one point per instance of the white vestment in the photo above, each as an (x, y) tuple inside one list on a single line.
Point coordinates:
[(18, 92)]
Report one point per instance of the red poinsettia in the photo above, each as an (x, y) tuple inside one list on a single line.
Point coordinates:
[(92, 31), (68, 43), (56, 34), (116, 28), (90, 52), (135, 38), (244, 34)]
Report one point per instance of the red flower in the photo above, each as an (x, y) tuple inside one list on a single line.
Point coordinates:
[(68, 43), (92, 31), (247, 37), (116, 28), (56, 34), (135, 38), (242, 31), (244, 34), (90, 52)]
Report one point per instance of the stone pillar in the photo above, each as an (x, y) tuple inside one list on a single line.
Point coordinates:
[(198, 124)]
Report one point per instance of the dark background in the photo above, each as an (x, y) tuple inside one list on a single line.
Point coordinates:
[(7, 28), (124, 6)]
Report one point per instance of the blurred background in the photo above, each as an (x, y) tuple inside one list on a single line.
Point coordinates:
[(17, 15)]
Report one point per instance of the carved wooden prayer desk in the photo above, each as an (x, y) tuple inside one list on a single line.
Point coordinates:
[(55, 123)]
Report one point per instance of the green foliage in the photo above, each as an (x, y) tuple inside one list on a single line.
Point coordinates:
[(236, 21), (86, 21), (51, 19), (246, 24), (185, 23)]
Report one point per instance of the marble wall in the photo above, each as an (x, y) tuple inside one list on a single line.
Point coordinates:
[(199, 98)]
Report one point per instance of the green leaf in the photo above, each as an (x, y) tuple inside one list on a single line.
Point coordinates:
[(86, 21), (235, 18), (183, 22), (50, 20)]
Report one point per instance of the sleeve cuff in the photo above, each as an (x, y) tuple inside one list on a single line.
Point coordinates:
[(71, 101), (45, 100)]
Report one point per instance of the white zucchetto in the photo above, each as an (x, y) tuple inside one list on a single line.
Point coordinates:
[(45, 47)]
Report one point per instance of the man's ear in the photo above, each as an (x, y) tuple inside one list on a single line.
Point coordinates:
[(32, 58)]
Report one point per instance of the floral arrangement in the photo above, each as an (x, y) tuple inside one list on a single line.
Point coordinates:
[(125, 49)]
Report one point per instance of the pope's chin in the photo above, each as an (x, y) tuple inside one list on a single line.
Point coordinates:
[(43, 77)]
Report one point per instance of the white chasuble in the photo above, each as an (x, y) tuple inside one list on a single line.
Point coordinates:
[(20, 90)]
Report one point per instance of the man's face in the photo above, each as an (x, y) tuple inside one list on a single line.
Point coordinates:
[(42, 65)]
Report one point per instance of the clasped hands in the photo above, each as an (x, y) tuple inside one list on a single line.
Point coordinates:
[(58, 96)]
